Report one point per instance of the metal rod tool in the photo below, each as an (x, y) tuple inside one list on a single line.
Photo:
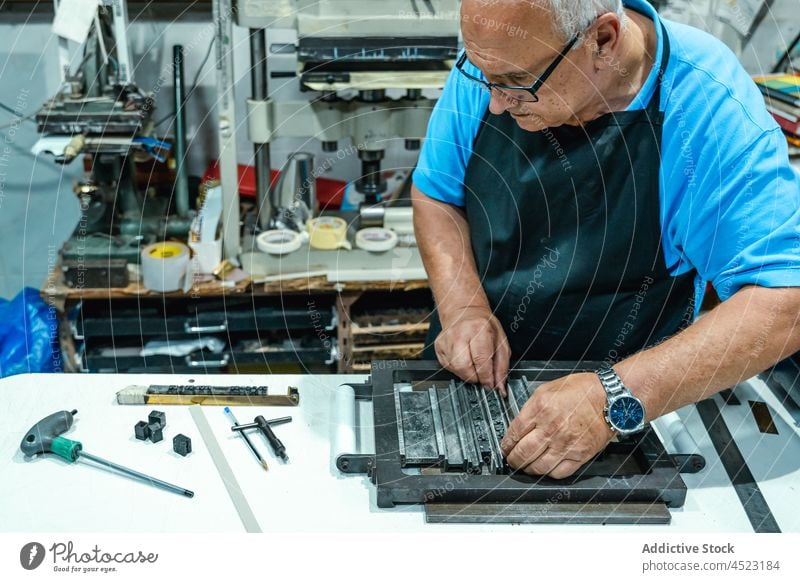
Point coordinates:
[(264, 426), (246, 438)]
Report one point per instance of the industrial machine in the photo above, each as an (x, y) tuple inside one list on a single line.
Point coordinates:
[(366, 65), (101, 117)]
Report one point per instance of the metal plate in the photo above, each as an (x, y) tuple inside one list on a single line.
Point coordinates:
[(418, 443), (582, 513)]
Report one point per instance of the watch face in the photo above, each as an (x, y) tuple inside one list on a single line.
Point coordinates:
[(626, 413)]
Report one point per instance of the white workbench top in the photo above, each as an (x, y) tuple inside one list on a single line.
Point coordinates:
[(308, 494)]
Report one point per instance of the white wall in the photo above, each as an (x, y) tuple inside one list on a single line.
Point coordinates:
[(770, 40), (37, 208)]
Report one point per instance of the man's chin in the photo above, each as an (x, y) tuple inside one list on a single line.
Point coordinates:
[(532, 122)]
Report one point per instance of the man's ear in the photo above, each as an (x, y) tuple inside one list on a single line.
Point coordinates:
[(605, 40)]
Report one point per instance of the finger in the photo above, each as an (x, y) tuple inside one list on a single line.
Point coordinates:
[(519, 427), (441, 352), (545, 463), (528, 450), (461, 363), (481, 350), (502, 355), (564, 469)]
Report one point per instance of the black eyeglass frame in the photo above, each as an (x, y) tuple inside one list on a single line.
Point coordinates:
[(532, 89)]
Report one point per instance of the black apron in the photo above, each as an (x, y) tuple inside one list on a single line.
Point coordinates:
[(565, 228)]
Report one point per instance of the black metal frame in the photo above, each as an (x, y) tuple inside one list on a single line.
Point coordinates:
[(658, 482)]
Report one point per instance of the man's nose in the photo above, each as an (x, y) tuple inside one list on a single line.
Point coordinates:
[(498, 102)]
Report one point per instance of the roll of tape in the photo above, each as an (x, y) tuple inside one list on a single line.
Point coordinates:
[(376, 239), (328, 233), (165, 267), (279, 242), (399, 214)]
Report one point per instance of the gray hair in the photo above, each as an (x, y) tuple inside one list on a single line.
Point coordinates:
[(571, 17)]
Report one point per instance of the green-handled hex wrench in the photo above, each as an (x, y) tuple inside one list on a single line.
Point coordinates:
[(45, 437)]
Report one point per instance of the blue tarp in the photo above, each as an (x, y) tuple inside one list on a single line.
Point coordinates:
[(28, 335)]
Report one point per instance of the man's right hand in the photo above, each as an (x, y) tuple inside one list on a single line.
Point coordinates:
[(474, 346)]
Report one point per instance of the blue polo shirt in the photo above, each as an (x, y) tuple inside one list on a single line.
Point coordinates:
[(730, 201)]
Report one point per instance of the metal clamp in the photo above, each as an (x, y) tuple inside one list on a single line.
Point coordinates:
[(355, 463), (688, 463)]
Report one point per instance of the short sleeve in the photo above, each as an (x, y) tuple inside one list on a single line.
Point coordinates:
[(753, 235), (448, 143), (737, 219), (730, 197)]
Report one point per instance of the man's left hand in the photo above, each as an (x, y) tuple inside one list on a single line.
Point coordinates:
[(560, 427)]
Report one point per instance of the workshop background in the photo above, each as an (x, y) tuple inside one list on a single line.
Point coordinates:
[(38, 210)]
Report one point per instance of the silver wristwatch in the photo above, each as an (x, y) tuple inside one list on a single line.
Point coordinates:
[(623, 412)]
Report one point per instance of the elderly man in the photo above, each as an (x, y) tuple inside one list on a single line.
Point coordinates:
[(588, 169)]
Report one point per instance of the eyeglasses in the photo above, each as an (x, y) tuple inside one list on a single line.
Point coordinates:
[(527, 94)]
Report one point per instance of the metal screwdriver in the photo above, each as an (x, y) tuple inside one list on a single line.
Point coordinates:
[(246, 438)]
